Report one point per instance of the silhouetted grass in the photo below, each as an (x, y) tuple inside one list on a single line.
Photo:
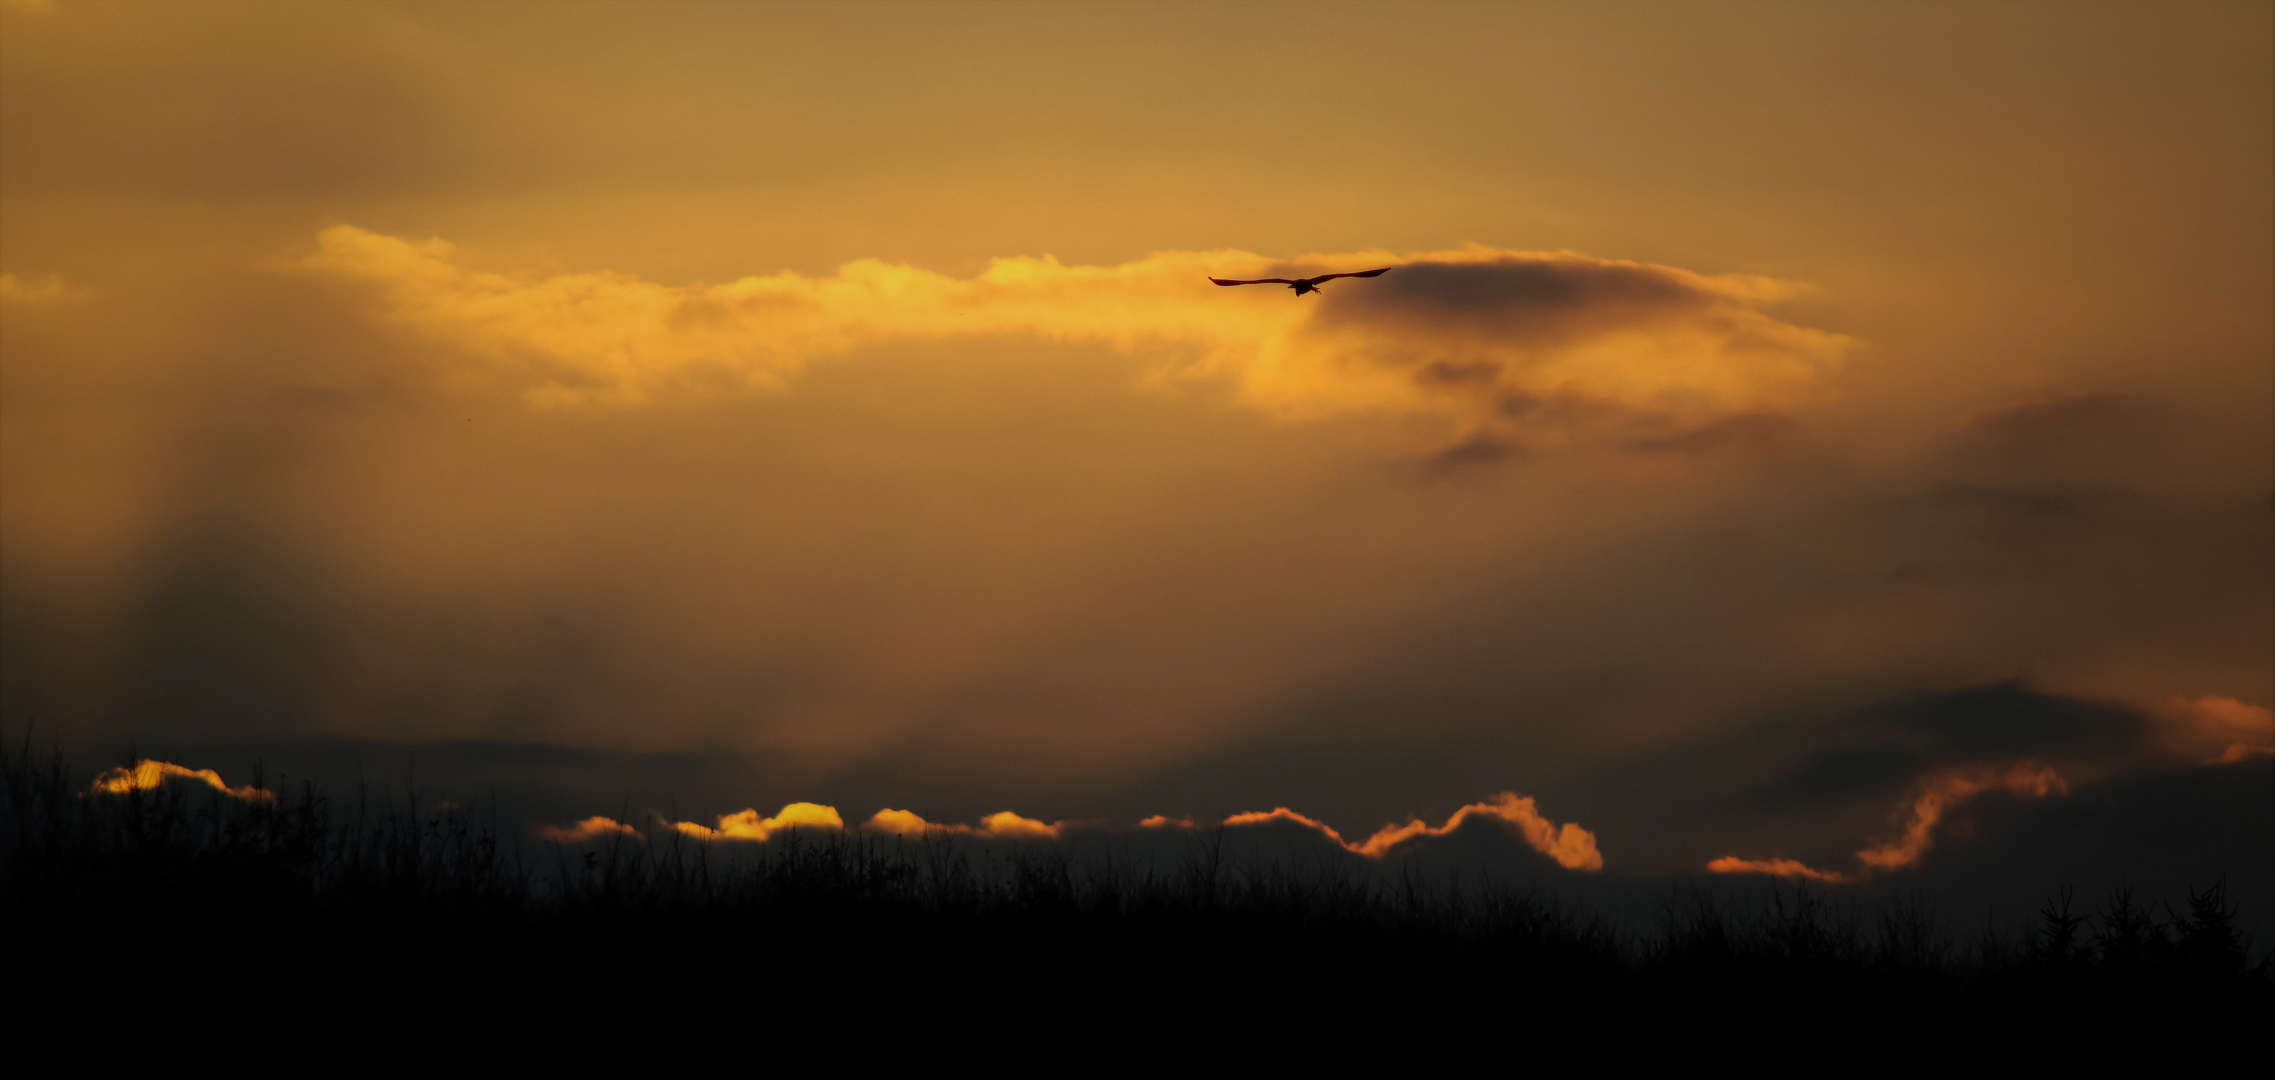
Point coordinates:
[(313, 905)]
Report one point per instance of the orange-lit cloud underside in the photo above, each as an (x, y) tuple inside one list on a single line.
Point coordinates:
[(1004, 825), (2238, 731), (147, 775), (592, 828), (1570, 845), (1731, 864), (2208, 730), (748, 825), (2212, 730), (1939, 793)]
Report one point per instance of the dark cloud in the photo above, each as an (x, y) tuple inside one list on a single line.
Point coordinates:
[(1837, 774), (2160, 833), (2082, 442), (1458, 373), (1743, 435), (1909, 734), (2010, 720), (1524, 302), (1476, 450), (2043, 428), (2071, 505), (1565, 350), (1753, 433)]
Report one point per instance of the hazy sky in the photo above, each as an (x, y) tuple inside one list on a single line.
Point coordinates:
[(1777, 411)]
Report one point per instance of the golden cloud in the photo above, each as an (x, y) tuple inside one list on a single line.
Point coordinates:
[(1004, 826), (1573, 847), (591, 828), (1266, 817), (1570, 845), (748, 825), (147, 775), (1481, 334)]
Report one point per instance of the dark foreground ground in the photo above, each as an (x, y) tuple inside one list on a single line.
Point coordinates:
[(193, 909)]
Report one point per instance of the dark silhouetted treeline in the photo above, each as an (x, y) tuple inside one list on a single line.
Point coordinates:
[(326, 910)]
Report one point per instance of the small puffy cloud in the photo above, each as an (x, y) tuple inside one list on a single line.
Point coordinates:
[(749, 825), (899, 823), (1007, 824), (147, 775), (591, 828), (1496, 340), (998, 826)]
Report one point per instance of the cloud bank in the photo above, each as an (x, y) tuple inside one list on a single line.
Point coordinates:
[(1492, 338), (1571, 846)]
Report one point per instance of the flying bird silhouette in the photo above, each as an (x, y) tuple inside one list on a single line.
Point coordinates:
[(1302, 285)]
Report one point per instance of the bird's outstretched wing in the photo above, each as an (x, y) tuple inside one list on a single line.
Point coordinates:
[(1258, 281), (1361, 273)]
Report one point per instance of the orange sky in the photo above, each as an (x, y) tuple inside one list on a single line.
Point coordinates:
[(840, 382)]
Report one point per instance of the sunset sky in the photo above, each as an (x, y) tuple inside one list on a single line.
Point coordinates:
[(1783, 421)]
